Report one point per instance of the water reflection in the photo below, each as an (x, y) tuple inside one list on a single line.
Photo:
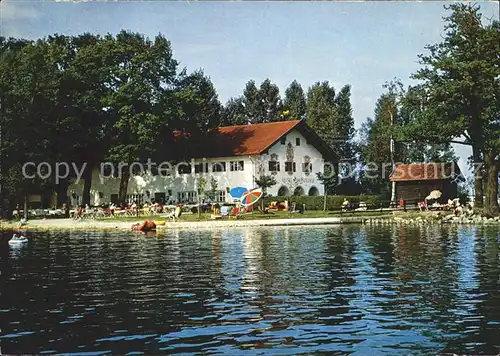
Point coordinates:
[(347, 289)]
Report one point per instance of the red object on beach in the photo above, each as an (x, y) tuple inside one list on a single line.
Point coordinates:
[(146, 226)]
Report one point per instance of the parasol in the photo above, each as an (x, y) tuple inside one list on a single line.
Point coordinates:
[(237, 192), (435, 194), (250, 197)]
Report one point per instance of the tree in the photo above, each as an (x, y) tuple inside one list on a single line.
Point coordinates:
[(345, 122), (30, 83), (375, 145), (264, 182), (294, 104), (197, 111), (252, 102), (200, 190), (213, 189), (458, 93), (234, 112), (270, 101), (322, 113), (142, 73), (376, 150)]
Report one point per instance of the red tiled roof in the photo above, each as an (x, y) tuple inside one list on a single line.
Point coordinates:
[(425, 171), (248, 140), (244, 140)]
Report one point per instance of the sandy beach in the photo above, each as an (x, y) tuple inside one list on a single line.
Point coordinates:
[(71, 224)]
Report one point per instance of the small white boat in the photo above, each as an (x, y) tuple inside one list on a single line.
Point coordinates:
[(17, 240)]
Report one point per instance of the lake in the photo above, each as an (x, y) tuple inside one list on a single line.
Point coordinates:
[(336, 289)]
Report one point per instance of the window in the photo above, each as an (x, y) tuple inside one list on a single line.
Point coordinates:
[(274, 166), (283, 140), (297, 141), (187, 197), (219, 167), (307, 167), (184, 168), (201, 168), (138, 198), (114, 199), (160, 198), (236, 166), (220, 196), (290, 167)]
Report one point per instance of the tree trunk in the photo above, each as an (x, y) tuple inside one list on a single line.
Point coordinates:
[(491, 195), (478, 177), (125, 176), (87, 184), (26, 206), (62, 192)]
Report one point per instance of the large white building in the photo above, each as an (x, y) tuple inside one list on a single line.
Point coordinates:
[(288, 150)]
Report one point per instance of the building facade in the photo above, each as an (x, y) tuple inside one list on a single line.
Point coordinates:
[(290, 151)]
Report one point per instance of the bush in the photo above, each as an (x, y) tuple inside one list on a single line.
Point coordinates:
[(332, 202)]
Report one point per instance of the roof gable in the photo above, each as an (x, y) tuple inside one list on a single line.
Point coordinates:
[(251, 140)]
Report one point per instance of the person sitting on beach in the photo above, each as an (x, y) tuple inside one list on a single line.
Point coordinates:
[(345, 204)]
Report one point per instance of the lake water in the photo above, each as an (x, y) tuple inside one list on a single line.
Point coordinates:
[(345, 289)]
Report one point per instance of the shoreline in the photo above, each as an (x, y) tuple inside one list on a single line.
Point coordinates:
[(70, 224), (395, 218)]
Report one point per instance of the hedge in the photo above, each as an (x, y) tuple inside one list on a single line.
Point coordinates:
[(332, 202)]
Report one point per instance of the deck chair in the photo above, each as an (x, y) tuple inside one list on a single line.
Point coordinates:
[(234, 213), (176, 214), (224, 211)]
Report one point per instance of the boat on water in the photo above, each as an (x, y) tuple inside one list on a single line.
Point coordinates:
[(17, 240)]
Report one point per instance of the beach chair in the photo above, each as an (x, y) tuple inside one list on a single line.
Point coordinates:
[(175, 214), (224, 211), (234, 213)]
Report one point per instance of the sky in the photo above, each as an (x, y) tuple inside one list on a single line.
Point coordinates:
[(363, 44)]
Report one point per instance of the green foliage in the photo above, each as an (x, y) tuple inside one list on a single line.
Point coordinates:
[(294, 104), (271, 106), (265, 181), (257, 105), (234, 113), (213, 189), (458, 91), (333, 202)]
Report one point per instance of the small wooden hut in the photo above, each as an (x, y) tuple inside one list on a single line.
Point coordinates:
[(414, 182)]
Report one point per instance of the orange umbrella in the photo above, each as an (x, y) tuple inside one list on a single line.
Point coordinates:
[(250, 197)]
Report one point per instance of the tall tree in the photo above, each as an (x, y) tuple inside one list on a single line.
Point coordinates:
[(252, 102), (271, 105), (294, 105), (459, 92), (322, 113), (234, 112), (198, 111), (142, 71), (322, 116), (345, 122)]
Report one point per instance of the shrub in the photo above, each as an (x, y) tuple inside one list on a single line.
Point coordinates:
[(332, 202)]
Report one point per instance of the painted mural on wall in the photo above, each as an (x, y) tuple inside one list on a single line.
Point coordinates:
[(290, 155)]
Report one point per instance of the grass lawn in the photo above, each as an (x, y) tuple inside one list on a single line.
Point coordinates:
[(255, 215)]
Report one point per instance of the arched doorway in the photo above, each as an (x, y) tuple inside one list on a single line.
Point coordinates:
[(313, 191), (299, 191), (283, 191)]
